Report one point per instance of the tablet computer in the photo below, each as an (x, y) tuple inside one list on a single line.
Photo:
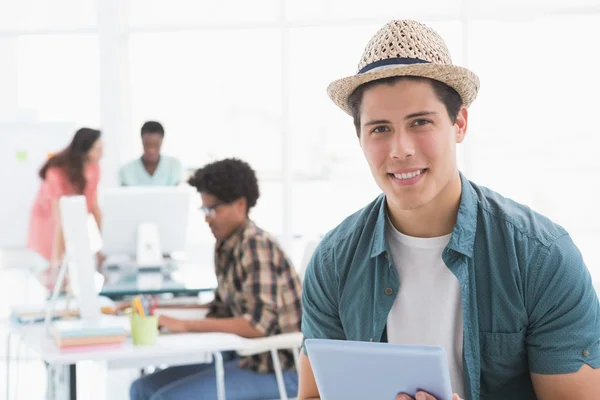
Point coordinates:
[(346, 370)]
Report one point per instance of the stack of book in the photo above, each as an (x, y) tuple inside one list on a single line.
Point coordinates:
[(82, 335), (33, 313)]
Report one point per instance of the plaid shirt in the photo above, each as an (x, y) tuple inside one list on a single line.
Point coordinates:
[(257, 281)]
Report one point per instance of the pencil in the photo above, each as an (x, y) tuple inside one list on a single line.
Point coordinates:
[(140, 307)]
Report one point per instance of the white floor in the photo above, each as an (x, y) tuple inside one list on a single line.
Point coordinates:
[(18, 287)]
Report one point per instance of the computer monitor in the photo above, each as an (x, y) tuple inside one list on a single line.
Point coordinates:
[(80, 266), (145, 222), (79, 258)]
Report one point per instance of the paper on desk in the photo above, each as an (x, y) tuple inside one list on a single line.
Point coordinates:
[(31, 313), (183, 313)]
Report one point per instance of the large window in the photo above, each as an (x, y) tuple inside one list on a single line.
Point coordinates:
[(8, 78), (352, 10), (58, 78), (23, 15), (515, 9), (218, 94), (50, 67), (215, 73), (533, 135), (152, 13), (332, 179)]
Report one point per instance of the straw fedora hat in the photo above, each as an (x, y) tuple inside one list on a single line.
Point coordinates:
[(406, 48)]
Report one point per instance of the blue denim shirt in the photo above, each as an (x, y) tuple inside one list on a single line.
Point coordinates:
[(527, 298)]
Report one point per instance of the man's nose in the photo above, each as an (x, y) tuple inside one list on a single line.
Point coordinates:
[(402, 145)]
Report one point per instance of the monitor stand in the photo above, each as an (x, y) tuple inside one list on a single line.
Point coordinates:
[(87, 312), (51, 305), (149, 251)]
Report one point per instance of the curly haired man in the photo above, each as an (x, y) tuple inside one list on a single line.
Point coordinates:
[(258, 295)]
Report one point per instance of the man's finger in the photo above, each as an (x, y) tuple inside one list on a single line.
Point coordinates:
[(424, 396)]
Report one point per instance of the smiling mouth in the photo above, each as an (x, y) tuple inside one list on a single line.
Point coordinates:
[(408, 175)]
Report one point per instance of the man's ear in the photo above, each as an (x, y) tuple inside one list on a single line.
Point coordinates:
[(461, 124), (242, 204)]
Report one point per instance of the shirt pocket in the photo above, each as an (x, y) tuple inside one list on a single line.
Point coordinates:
[(504, 365)]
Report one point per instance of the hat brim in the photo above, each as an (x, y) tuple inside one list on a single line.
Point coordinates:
[(465, 82)]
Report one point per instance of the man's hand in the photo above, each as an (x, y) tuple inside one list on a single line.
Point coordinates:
[(172, 324), (118, 309), (422, 396)]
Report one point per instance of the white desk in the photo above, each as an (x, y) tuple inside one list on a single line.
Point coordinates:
[(171, 349)]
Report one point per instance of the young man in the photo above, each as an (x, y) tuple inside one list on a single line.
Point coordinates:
[(258, 294), (438, 260), (153, 168)]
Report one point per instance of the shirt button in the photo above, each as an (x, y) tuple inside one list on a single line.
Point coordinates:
[(388, 291), (586, 353)]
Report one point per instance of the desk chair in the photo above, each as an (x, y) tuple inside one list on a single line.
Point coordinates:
[(285, 341)]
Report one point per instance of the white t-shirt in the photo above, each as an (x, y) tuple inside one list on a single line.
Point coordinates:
[(428, 307)]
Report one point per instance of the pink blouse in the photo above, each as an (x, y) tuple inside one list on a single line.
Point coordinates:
[(42, 223)]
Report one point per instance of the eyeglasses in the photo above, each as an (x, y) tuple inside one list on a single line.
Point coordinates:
[(210, 211)]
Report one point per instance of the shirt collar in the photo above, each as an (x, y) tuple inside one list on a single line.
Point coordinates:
[(379, 244), (233, 240), (463, 234)]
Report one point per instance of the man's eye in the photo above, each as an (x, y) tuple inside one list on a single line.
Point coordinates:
[(420, 122), (380, 129)]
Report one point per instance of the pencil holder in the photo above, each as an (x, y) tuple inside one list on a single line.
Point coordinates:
[(144, 330)]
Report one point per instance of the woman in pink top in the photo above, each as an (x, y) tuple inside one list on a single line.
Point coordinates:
[(73, 171)]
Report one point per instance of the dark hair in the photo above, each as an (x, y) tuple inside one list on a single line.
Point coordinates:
[(227, 180), (445, 94), (153, 127), (72, 159)]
